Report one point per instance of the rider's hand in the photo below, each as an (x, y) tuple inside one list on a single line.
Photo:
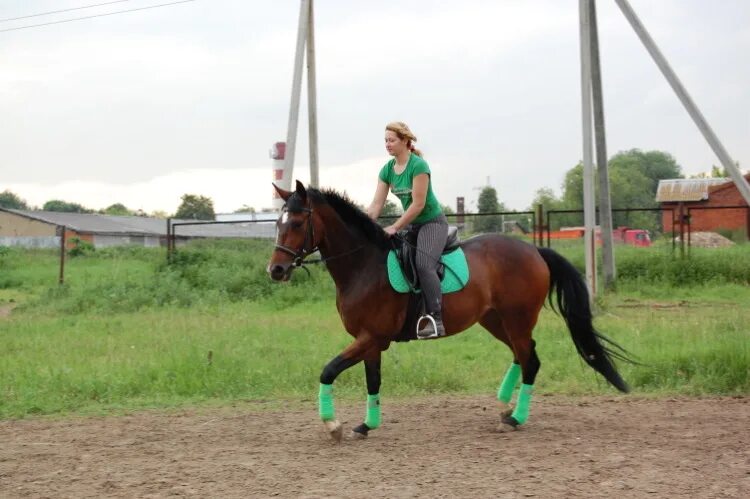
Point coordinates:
[(391, 230)]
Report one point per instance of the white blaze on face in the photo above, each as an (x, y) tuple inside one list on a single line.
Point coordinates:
[(284, 218)]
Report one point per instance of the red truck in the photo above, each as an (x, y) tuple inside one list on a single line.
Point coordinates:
[(633, 237), (620, 235)]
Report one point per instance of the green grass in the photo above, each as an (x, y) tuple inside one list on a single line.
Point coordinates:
[(129, 332)]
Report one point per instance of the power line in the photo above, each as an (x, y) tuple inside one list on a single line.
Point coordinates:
[(59, 11), (97, 15)]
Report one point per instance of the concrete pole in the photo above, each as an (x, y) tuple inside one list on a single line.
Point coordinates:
[(312, 98), (588, 167), (605, 203), (291, 131), (687, 101)]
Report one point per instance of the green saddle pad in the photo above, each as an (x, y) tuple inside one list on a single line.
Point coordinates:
[(455, 278)]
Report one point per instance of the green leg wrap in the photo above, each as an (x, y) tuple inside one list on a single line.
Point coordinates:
[(325, 403), (372, 420), (505, 392), (521, 412)]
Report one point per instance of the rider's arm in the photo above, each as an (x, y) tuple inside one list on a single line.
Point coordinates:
[(381, 193), (418, 199)]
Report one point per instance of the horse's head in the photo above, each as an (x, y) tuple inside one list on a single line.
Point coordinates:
[(295, 233)]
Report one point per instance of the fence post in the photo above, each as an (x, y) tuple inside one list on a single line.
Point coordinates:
[(61, 279), (169, 240), (682, 229)]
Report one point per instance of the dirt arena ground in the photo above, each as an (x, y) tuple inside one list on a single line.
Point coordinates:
[(436, 447)]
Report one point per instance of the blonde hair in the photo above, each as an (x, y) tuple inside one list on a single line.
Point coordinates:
[(403, 132)]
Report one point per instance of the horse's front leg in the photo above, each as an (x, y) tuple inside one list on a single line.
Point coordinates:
[(352, 355), (372, 417)]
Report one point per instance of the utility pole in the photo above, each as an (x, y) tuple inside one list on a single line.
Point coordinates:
[(605, 204), (589, 207), (305, 38)]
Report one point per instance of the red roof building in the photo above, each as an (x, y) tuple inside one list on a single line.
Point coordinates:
[(711, 204)]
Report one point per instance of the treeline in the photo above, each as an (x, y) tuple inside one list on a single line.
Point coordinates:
[(634, 177), (193, 206)]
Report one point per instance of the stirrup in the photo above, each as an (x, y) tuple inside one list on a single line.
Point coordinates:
[(430, 330)]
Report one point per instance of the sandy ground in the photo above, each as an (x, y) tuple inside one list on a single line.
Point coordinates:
[(436, 447)]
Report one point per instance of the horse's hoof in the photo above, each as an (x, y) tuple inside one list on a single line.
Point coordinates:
[(357, 436), (334, 429), (360, 432), (508, 424)]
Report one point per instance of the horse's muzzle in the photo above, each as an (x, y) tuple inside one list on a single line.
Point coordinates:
[(279, 271)]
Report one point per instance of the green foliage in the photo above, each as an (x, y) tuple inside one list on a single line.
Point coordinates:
[(11, 200), (633, 179), (195, 207), (65, 207), (390, 209), (488, 203), (117, 209), (447, 209), (80, 247)]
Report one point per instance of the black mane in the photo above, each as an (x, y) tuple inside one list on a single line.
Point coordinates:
[(352, 216)]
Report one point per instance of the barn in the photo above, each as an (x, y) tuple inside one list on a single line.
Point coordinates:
[(707, 204), (43, 229)]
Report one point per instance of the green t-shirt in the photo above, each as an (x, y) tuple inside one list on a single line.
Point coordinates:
[(401, 185)]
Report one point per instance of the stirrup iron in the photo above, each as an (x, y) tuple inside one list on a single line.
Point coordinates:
[(424, 334)]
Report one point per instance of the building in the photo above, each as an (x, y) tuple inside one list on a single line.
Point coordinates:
[(43, 229), (702, 199)]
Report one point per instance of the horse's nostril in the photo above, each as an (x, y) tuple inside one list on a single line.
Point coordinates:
[(277, 271)]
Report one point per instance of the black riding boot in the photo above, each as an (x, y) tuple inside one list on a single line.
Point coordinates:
[(430, 326)]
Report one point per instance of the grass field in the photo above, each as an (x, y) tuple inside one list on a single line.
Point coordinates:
[(127, 331)]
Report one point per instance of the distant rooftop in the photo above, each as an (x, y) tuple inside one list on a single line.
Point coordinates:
[(93, 223), (686, 189)]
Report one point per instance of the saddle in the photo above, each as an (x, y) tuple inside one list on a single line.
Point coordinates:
[(406, 280), (406, 254)]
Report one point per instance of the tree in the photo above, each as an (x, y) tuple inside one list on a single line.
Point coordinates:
[(10, 200), (159, 214), (117, 209), (633, 177), (447, 209), (65, 207), (196, 207), (245, 209), (488, 203), (654, 165), (390, 209)]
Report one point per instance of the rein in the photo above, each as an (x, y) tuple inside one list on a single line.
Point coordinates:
[(304, 252)]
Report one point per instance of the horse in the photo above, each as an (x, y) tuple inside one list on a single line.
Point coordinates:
[(510, 281)]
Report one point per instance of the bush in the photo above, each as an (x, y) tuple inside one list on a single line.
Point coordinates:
[(80, 247)]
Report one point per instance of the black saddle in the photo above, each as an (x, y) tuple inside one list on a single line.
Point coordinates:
[(406, 253)]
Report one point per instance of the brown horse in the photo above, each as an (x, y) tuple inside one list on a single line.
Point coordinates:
[(509, 283)]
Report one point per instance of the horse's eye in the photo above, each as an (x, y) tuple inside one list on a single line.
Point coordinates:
[(296, 224)]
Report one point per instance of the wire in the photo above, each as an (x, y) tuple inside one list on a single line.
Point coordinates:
[(58, 11), (97, 15)]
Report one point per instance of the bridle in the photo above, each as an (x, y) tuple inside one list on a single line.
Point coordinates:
[(302, 253), (307, 247)]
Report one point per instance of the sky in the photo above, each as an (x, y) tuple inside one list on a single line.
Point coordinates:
[(142, 107)]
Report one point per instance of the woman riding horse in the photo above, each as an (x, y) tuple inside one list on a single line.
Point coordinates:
[(510, 281), (408, 176)]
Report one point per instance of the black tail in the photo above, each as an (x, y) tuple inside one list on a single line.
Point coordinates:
[(573, 305)]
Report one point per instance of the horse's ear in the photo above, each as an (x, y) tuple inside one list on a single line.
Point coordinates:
[(301, 191), (282, 193)]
